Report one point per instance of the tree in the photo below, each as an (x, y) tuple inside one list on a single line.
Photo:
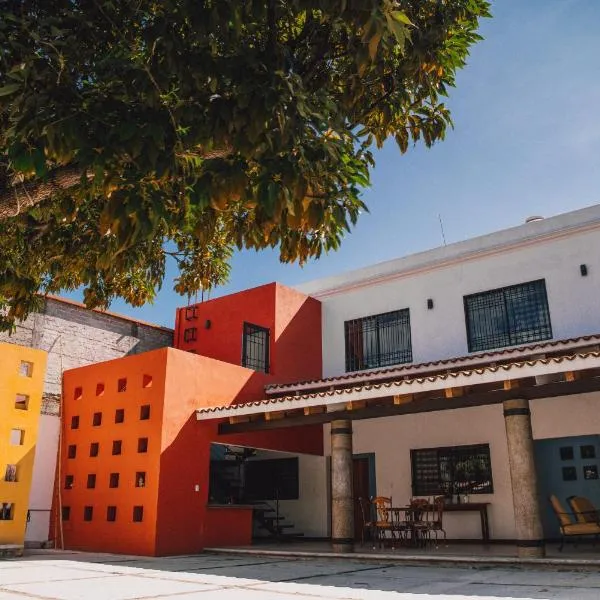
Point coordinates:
[(134, 129)]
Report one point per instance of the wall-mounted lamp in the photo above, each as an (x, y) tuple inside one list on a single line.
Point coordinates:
[(207, 324), (583, 270), (430, 303)]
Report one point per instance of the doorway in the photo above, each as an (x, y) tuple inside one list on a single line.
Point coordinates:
[(568, 466), (364, 486)]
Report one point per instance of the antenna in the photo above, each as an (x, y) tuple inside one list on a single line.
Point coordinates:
[(442, 229)]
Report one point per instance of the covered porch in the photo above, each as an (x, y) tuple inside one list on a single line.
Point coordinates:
[(524, 417)]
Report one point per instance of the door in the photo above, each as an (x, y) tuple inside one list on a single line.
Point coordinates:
[(363, 487), (566, 467)]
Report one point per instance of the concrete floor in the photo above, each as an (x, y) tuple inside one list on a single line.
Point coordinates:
[(54, 575)]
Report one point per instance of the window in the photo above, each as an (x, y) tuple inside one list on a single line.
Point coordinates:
[(119, 415), (94, 449), (255, 348), (68, 482), (140, 479), (190, 334), (66, 513), (145, 412), (122, 385), (97, 419), (11, 473), (508, 316), (190, 313), (22, 402), (75, 422), (71, 451), (455, 470), (147, 381), (78, 393), (272, 479), (142, 445), (7, 512), (26, 369), (138, 514), (117, 446), (17, 437), (113, 481), (378, 341), (100, 389), (91, 481), (88, 513), (111, 513)]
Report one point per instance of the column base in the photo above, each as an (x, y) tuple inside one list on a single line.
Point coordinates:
[(342, 546), (531, 549)]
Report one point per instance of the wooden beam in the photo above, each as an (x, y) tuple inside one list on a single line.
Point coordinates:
[(274, 415), (239, 419), (572, 375), (511, 384), (314, 410), (356, 404), (454, 392), (403, 399), (423, 405)]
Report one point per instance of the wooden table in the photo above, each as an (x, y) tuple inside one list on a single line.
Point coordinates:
[(481, 508)]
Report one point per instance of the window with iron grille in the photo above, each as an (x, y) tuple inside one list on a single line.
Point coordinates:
[(378, 341), (190, 334), (255, 348), (508, 316), (453, 470), (190, 313)]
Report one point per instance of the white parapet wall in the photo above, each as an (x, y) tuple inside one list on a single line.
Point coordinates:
[(42, 486)]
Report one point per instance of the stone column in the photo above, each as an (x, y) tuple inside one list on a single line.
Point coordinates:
[(528, 521), (342, 502)]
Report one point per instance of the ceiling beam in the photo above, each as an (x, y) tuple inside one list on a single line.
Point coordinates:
[(421, 405)]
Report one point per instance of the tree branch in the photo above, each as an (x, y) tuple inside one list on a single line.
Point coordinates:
[(18, 197)]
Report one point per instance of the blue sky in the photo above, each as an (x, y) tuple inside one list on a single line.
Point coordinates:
[(526, 141)]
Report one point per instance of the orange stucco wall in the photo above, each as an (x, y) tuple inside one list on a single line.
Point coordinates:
[(83, 398), (177, 463), (294, 322), (192, 382)]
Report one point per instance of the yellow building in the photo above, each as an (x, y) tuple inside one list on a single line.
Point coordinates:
[(22, 372)]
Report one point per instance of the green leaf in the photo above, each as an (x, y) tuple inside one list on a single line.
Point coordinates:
[(9, 89), (401, 17)]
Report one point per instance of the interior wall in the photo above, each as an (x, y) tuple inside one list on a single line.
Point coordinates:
[(309, 512)]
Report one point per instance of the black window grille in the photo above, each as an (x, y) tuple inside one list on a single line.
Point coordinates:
[(190, 334), (190, 313), (255, 348), (508, 316), (378, 341), (454, 470)]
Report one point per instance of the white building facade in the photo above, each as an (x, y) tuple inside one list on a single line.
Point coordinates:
[(481, 352)]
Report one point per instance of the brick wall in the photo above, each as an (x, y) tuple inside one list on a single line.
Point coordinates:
[(74, 336)]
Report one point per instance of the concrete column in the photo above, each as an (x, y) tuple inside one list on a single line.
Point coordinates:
[(342, 501), (528, 521)]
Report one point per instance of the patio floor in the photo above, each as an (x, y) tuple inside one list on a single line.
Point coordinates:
[(582, 554)]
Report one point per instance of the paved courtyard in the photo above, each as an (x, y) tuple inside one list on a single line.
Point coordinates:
[(75, 576)]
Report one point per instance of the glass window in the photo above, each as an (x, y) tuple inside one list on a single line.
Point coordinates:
[(378, 341), (453, 470), (255, 348), (509, 316)]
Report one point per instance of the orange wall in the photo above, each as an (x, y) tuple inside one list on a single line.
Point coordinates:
[(123, 535), (193, 382), (293, 319)]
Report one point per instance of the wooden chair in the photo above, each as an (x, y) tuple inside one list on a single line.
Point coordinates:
[(437, 525), (567, 527), (584, 510), (366, 512), (383, 518)]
